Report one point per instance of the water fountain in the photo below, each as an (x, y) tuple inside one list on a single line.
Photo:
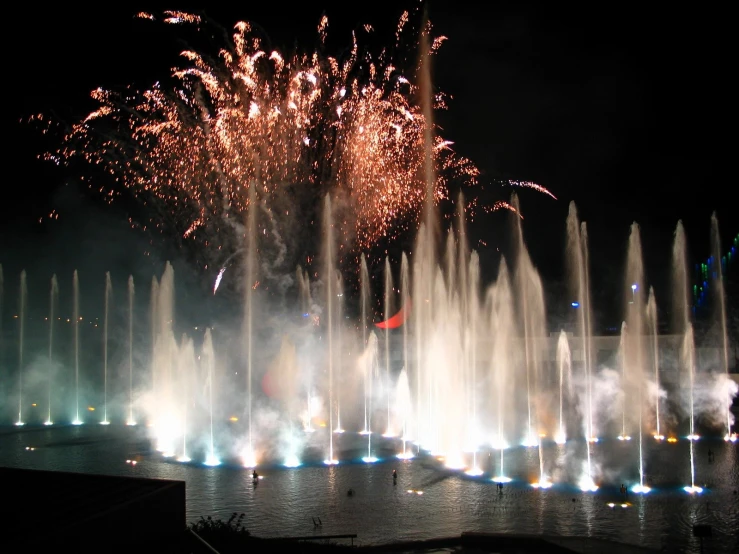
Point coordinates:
[(684, 327), (329, 278), (108, 293), (22, 300), (210, 362), (499, 304), (579, 277), (249, 455), (473, 376), (564, 362), (653, 324), (387, 306), (720, 294), (131, 295), (53, 301), (403, 393), (76, 339)]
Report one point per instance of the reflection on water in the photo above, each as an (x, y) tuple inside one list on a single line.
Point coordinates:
[(426, 502)]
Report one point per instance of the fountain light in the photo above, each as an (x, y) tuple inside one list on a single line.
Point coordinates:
[(48, 422), (413, 491), (369, 459), (731, 438), (560, 437), (75, 422), (291, 461), (531, 440), (389, 434), (671, 439), (587, 484), (693, 437), (624, 437), (691, 489), (309, 430), (544, 484), (331, 462), (184, 459), (212, 461), (365, 432), (20, 423), (131, 423), (455, 462), (501, 479), (640, 489), (474, 472), (593, 439), (499, 443), (248, 457), (30, 448), (407, 455), (168, 454), (339, 431), (105, 422), (659, 437)]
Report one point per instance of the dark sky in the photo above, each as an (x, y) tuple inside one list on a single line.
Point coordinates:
[(621, 109)]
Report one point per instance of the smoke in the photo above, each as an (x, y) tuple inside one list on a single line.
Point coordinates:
[(713, 396)]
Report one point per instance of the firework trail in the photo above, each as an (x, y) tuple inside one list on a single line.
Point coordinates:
[(295, 127)]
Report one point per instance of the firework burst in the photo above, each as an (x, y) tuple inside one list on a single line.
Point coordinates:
[(293, 127)]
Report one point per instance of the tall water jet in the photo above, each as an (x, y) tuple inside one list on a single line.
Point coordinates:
[(53, 300), (622, 361), (406, 305), (720, 294), (654, 338), (371, 368), (339, 345), (76, 330), (403, 409), (209, 354), (185, 370), (500, 308), (108, 293), (131, 293), (164, 360), (531, 298), (364, 295), (684, 327), (387, 308), (329, 278), (579, 277), (154, 322), (305, 306), (564, 364), (249, 456), (22, 300), (635, 352), (470, 347)]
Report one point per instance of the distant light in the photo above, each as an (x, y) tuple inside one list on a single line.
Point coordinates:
[(306, 315), (575, 304), (633, 287)]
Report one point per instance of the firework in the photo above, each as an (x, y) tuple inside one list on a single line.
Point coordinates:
[(293, 127), (530, 185)]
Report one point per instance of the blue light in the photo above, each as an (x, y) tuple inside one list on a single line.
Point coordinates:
[(306, 315), (575, 304)]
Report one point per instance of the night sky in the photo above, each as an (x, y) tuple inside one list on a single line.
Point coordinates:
[(625, 111)]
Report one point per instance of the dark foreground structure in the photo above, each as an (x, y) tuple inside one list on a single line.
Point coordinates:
[(49, 512)]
